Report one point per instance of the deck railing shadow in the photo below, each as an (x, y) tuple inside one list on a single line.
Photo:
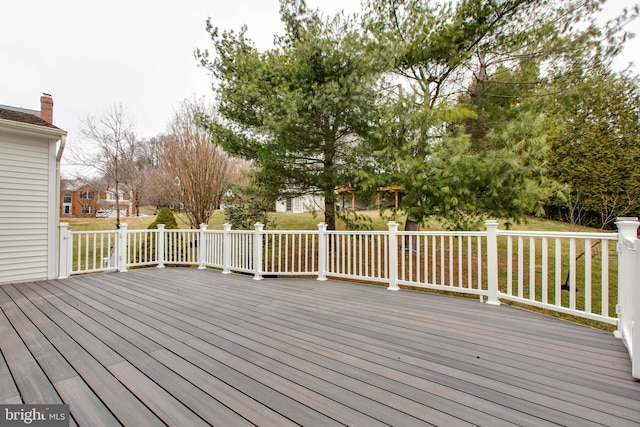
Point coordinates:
[(589, 275)]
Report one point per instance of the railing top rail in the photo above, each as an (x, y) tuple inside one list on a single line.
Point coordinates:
[(443, 233), (356, 232), (290, 232), (92, 231), (560, 234)]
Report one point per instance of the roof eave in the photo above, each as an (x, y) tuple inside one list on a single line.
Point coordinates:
[(28, 127)]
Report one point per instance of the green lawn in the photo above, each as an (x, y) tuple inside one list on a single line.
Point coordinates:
[(283, 221), (299, 221)]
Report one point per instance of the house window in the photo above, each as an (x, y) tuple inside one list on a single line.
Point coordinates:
[(66, 199), (87, 195), (87, 209), (66, 209), (289, 202)]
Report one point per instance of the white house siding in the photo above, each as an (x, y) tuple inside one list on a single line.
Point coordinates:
[(306, 203), (25, 179)]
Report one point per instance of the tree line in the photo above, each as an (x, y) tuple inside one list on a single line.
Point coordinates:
[(180, 168), (474, 108)]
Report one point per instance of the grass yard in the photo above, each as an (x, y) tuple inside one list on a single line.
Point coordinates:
[(299, 221), (283, 221)]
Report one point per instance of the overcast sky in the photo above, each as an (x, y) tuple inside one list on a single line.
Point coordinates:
[(90, 55)]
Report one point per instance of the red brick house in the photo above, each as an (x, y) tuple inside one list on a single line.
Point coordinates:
[(82, 199)]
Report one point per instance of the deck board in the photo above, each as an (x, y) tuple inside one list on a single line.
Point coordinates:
[(32, 382), (116, 397), (148, 373), (182, 346), (9, 393)]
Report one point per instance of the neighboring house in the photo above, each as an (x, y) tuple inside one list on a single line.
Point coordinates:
[(30, 151), (81, 199), (300, 204), (347, 199)]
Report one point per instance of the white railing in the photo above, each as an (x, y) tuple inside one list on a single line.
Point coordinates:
[(87, 251), (579, 274), (628, 308), (290, 253), (143, 248), (564, 272), (181, 247), (362, 255), (452, 261), (211, 256)]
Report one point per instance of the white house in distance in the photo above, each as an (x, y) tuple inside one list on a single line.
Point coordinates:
[(30, 151), (300, 204)]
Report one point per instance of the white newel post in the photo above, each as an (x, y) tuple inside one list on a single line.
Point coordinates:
[(322, 251), (492, 262), (628, 308), (393, 256), (257, 251), (635, 335), (226, 249), (66, 248), (202, 247), (123, 250), (160, 245)]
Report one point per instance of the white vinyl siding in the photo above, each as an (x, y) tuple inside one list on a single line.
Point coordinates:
[(24, 208), (306, 203)]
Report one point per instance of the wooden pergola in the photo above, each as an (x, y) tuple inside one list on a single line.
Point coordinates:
[(395, 189)]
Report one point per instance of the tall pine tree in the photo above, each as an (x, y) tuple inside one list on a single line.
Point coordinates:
[(300, 109)]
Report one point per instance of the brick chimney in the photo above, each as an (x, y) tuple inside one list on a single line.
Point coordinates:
[(46, 107)]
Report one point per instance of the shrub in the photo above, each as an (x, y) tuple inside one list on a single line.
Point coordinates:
[(247, 210), (166, 217)]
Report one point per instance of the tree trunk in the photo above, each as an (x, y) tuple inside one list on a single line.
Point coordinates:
[(411, 224), (117, 205), (410, 242), (478, 85), (330, 213)]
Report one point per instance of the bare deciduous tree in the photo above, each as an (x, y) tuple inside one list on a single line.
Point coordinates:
[(161, 188), (203, 170), (113, 153), (149, 187)]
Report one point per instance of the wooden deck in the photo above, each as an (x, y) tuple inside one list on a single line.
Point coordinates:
[(188, 347)]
